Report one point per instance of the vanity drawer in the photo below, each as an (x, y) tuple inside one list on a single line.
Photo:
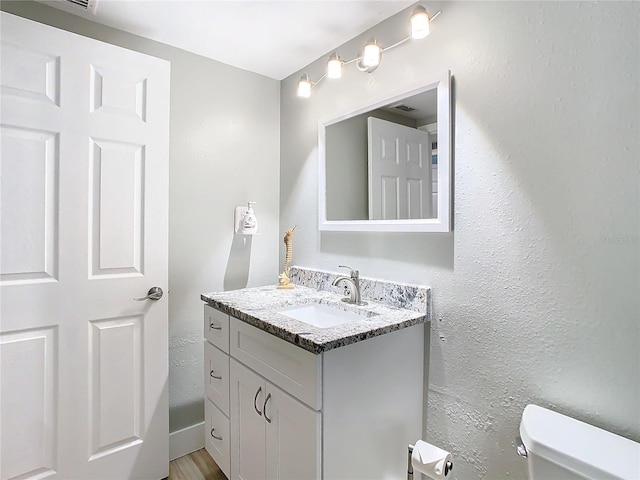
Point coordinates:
[(216, 376), (216, 437), (216, 328), (293, 369)]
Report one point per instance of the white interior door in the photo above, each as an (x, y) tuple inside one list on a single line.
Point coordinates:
[(84, 187), (399, 171)]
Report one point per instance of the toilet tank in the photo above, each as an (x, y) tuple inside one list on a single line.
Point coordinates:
[(563, 448)]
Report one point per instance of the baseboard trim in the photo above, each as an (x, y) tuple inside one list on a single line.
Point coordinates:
[(185, 441)]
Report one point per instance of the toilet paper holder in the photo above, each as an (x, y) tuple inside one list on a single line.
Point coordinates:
[(447, 467)]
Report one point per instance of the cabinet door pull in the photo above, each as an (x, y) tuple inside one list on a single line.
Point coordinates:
[(214, 435), (213, 326), (255, 399), (264, 408), (217, 377)]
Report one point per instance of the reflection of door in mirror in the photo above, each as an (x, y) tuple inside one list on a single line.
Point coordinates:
[(401, 177), (355, 192)]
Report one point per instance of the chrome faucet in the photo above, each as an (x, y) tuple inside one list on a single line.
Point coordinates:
[(354, 290)]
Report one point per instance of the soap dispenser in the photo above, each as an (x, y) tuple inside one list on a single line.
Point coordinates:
[(249, 223)]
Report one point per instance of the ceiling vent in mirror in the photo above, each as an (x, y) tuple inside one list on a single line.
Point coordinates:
[(87, 5), (73, 6), (404, 108)]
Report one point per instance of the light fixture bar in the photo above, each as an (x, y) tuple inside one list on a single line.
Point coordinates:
[(335, 63), (404, 40)]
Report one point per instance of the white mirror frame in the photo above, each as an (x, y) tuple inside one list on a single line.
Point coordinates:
[(443, 222)]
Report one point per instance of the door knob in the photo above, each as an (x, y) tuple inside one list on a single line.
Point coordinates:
[(154, 293)]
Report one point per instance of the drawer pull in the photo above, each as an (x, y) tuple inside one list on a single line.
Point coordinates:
[(264, 408), (255, 399), (214, 435), (217, 377), (213, 326)]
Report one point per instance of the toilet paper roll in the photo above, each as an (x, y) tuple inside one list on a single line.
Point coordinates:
[(431, 460)]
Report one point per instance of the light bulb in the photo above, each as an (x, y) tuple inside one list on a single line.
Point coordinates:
[(371, 55), (304, 86), (334, 67), (419, 23)]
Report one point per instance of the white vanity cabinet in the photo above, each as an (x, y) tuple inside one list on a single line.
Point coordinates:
[(282, 412)]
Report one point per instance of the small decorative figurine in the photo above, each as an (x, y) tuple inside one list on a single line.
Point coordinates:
[(284, 282)]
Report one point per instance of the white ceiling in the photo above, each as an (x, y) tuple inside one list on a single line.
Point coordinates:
[(273, 38)]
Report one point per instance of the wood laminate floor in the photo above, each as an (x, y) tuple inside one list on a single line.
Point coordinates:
[(195, 466)]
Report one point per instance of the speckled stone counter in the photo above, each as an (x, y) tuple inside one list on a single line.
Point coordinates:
[(392, 306)]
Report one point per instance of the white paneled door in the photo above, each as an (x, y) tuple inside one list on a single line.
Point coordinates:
[(399, 171), (84, 194)]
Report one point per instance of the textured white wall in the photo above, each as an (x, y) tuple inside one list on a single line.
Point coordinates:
[(224, 151), (535, 293)]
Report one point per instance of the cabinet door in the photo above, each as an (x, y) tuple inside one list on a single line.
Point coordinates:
[(216, 328), (217, 441), (247, 423), (292, 437), (216, 376)]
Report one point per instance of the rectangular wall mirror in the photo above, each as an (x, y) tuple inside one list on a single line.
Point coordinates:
[(386, 165)]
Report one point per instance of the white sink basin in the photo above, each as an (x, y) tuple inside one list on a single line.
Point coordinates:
[(321, 315)]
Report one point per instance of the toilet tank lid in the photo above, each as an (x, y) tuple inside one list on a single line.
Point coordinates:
[(578, 446)]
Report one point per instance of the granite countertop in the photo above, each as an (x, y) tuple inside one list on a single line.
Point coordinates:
[(258, 306)]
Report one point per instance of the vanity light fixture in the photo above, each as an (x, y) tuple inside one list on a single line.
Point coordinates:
[(419, 23), (372, 52), (334, 67), (304, 86)]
